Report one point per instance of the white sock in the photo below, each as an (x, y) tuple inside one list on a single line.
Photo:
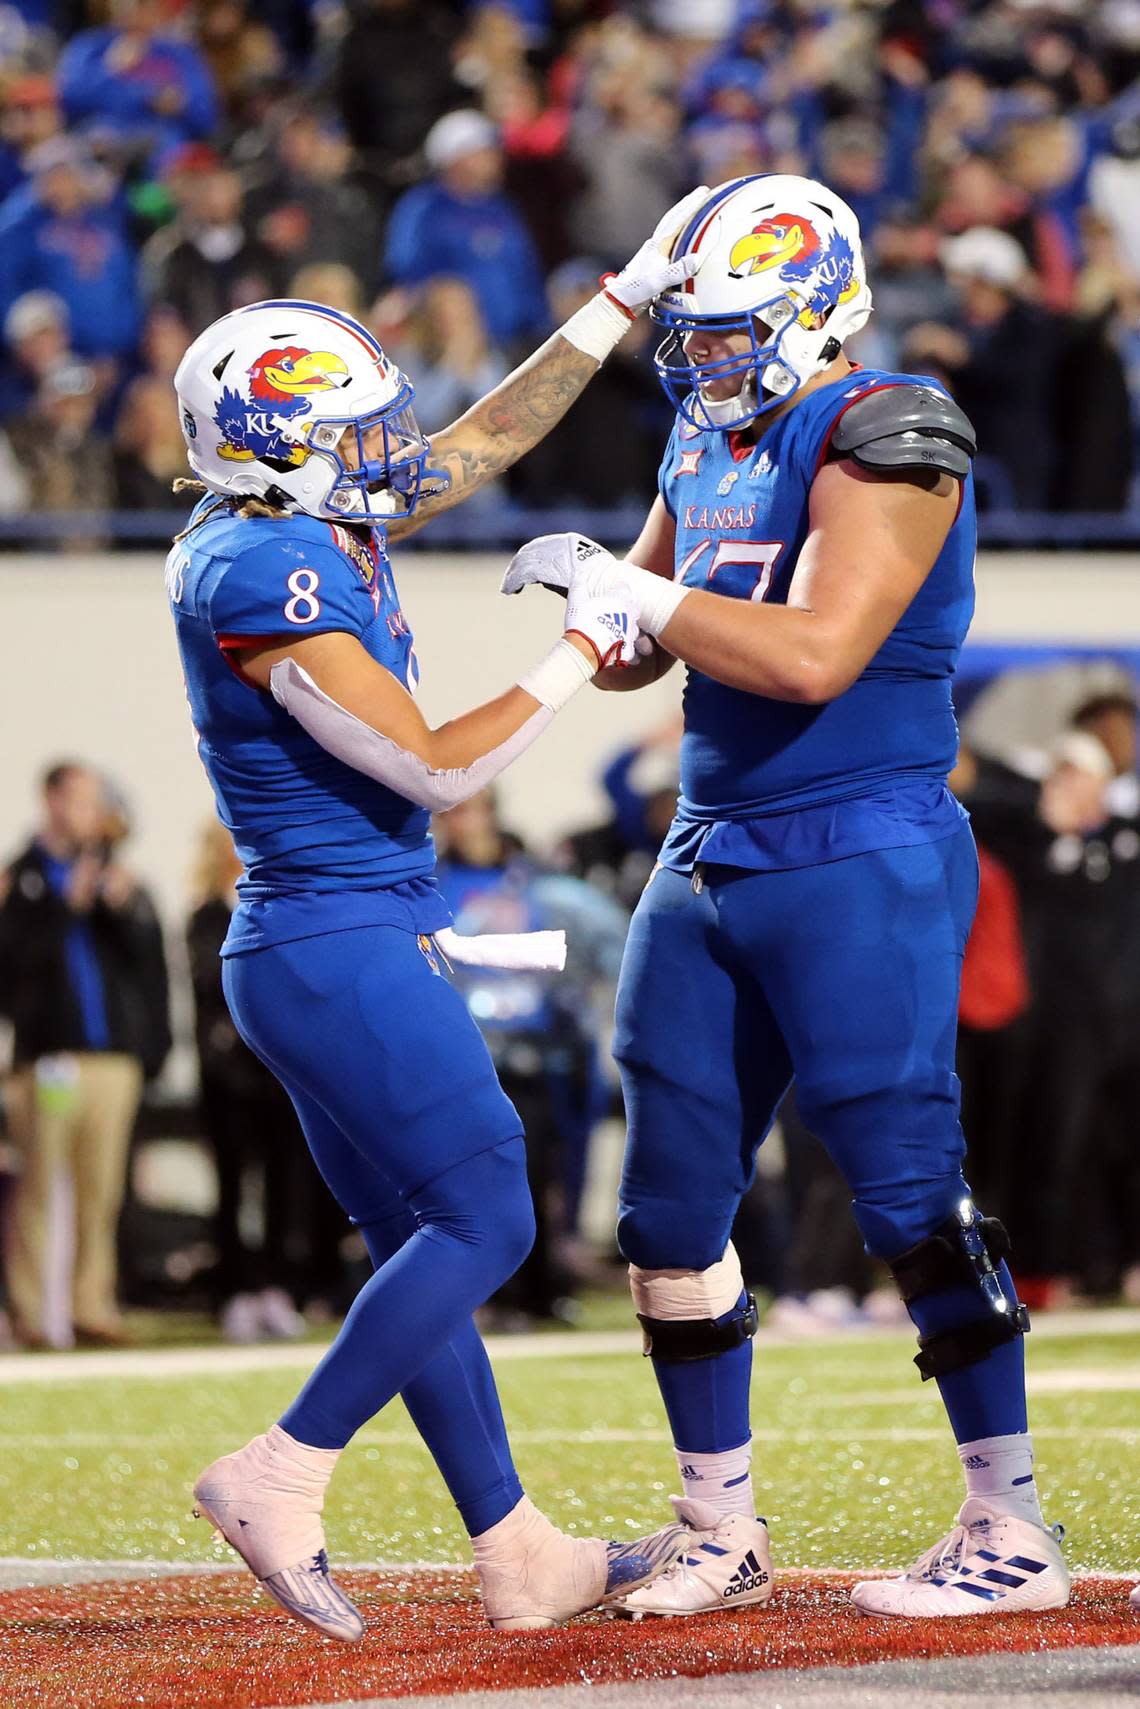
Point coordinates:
[(999, 1469), (723, 1480)]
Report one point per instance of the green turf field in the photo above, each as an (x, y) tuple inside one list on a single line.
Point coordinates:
[(853, 1463)]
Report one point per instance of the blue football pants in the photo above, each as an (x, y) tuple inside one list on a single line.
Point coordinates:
[(406, 1121), (845, 975)]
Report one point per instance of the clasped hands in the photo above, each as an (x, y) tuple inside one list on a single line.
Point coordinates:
[(603, 599)]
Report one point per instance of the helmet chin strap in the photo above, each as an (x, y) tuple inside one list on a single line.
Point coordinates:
[(723, 412), (776, 381)]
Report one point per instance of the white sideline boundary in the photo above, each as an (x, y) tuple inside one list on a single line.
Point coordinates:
[(144, 1363), (1080, 1678), (19, 1572)]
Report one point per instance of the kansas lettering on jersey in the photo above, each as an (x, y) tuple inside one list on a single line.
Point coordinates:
[(324, 847), (766, 783)]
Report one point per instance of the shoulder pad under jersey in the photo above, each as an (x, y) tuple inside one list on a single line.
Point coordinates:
[(906, 427)]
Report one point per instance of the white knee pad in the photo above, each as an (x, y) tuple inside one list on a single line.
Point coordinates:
[(682, 1295)]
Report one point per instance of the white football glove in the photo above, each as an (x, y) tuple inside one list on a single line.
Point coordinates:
[(601, 607), (550, 560), (650, 271), (554, 561)]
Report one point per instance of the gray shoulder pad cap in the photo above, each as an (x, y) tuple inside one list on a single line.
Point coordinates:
[(906, 427)]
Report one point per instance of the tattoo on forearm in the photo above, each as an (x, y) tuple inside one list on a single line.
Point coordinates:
[(506, 424)]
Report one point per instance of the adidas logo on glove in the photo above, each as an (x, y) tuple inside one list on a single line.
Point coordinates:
[(584, 548), (616, 622)]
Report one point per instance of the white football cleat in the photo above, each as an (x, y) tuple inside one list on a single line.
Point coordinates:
[(727, 1565), (533, 1575), (274, 1523), (990, 1563)]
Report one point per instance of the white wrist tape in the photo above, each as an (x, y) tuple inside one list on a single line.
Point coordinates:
[(355, 743), (559, 676), (658, 599), (597, 327), (678, 1295)]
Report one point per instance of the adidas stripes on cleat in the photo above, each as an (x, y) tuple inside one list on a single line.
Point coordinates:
[(264, 1513), (726, 1565), (990, 1563)]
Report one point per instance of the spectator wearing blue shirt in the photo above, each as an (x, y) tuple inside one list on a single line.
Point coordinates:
[(460, 224), (141, 82), (31, 114), (66, 232)]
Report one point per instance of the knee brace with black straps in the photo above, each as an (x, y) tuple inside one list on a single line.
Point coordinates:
[(964, 1252), (678, 1310)]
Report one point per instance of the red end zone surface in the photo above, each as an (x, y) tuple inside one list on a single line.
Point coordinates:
[(213, 1643)]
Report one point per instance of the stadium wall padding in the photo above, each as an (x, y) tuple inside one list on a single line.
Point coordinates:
[(88, 668)]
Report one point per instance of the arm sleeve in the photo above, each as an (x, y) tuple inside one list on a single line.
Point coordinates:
[(358, 745), (289, 586)]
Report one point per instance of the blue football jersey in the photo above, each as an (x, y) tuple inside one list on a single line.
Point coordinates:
[(323, 846), (768, 783)]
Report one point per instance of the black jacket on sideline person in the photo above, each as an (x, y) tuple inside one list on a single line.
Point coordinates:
[(37, 971)]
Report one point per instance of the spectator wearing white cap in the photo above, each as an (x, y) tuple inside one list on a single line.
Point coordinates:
[(1076, 860), (1053, 386), (986, 256), (65, 460), (459, 224), (37, 336), (999, 356)]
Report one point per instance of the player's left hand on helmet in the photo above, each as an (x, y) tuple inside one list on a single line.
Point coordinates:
[(651, 271), (550, 560), (601, 607)]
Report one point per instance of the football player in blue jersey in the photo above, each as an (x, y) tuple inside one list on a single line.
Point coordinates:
[(300, 674), (810, 560)]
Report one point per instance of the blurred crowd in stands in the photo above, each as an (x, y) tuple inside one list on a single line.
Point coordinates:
[(1048, 1056), (459, 173)]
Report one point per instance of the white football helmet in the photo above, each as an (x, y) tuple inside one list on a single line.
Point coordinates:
[(781, 261), (266, 395)]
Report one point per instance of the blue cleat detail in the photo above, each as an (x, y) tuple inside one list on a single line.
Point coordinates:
[(310, 1594), (630, 1565)]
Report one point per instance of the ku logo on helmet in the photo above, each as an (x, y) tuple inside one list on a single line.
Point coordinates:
[(281, 382), (794, 246)]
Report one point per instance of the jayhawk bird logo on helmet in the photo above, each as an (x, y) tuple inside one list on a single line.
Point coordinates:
[(782, 240), (281, 383)]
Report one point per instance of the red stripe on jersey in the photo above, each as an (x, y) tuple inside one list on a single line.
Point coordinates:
[(228, 645)]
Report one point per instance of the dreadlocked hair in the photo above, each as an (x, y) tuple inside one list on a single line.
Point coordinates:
[(251, 506)]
